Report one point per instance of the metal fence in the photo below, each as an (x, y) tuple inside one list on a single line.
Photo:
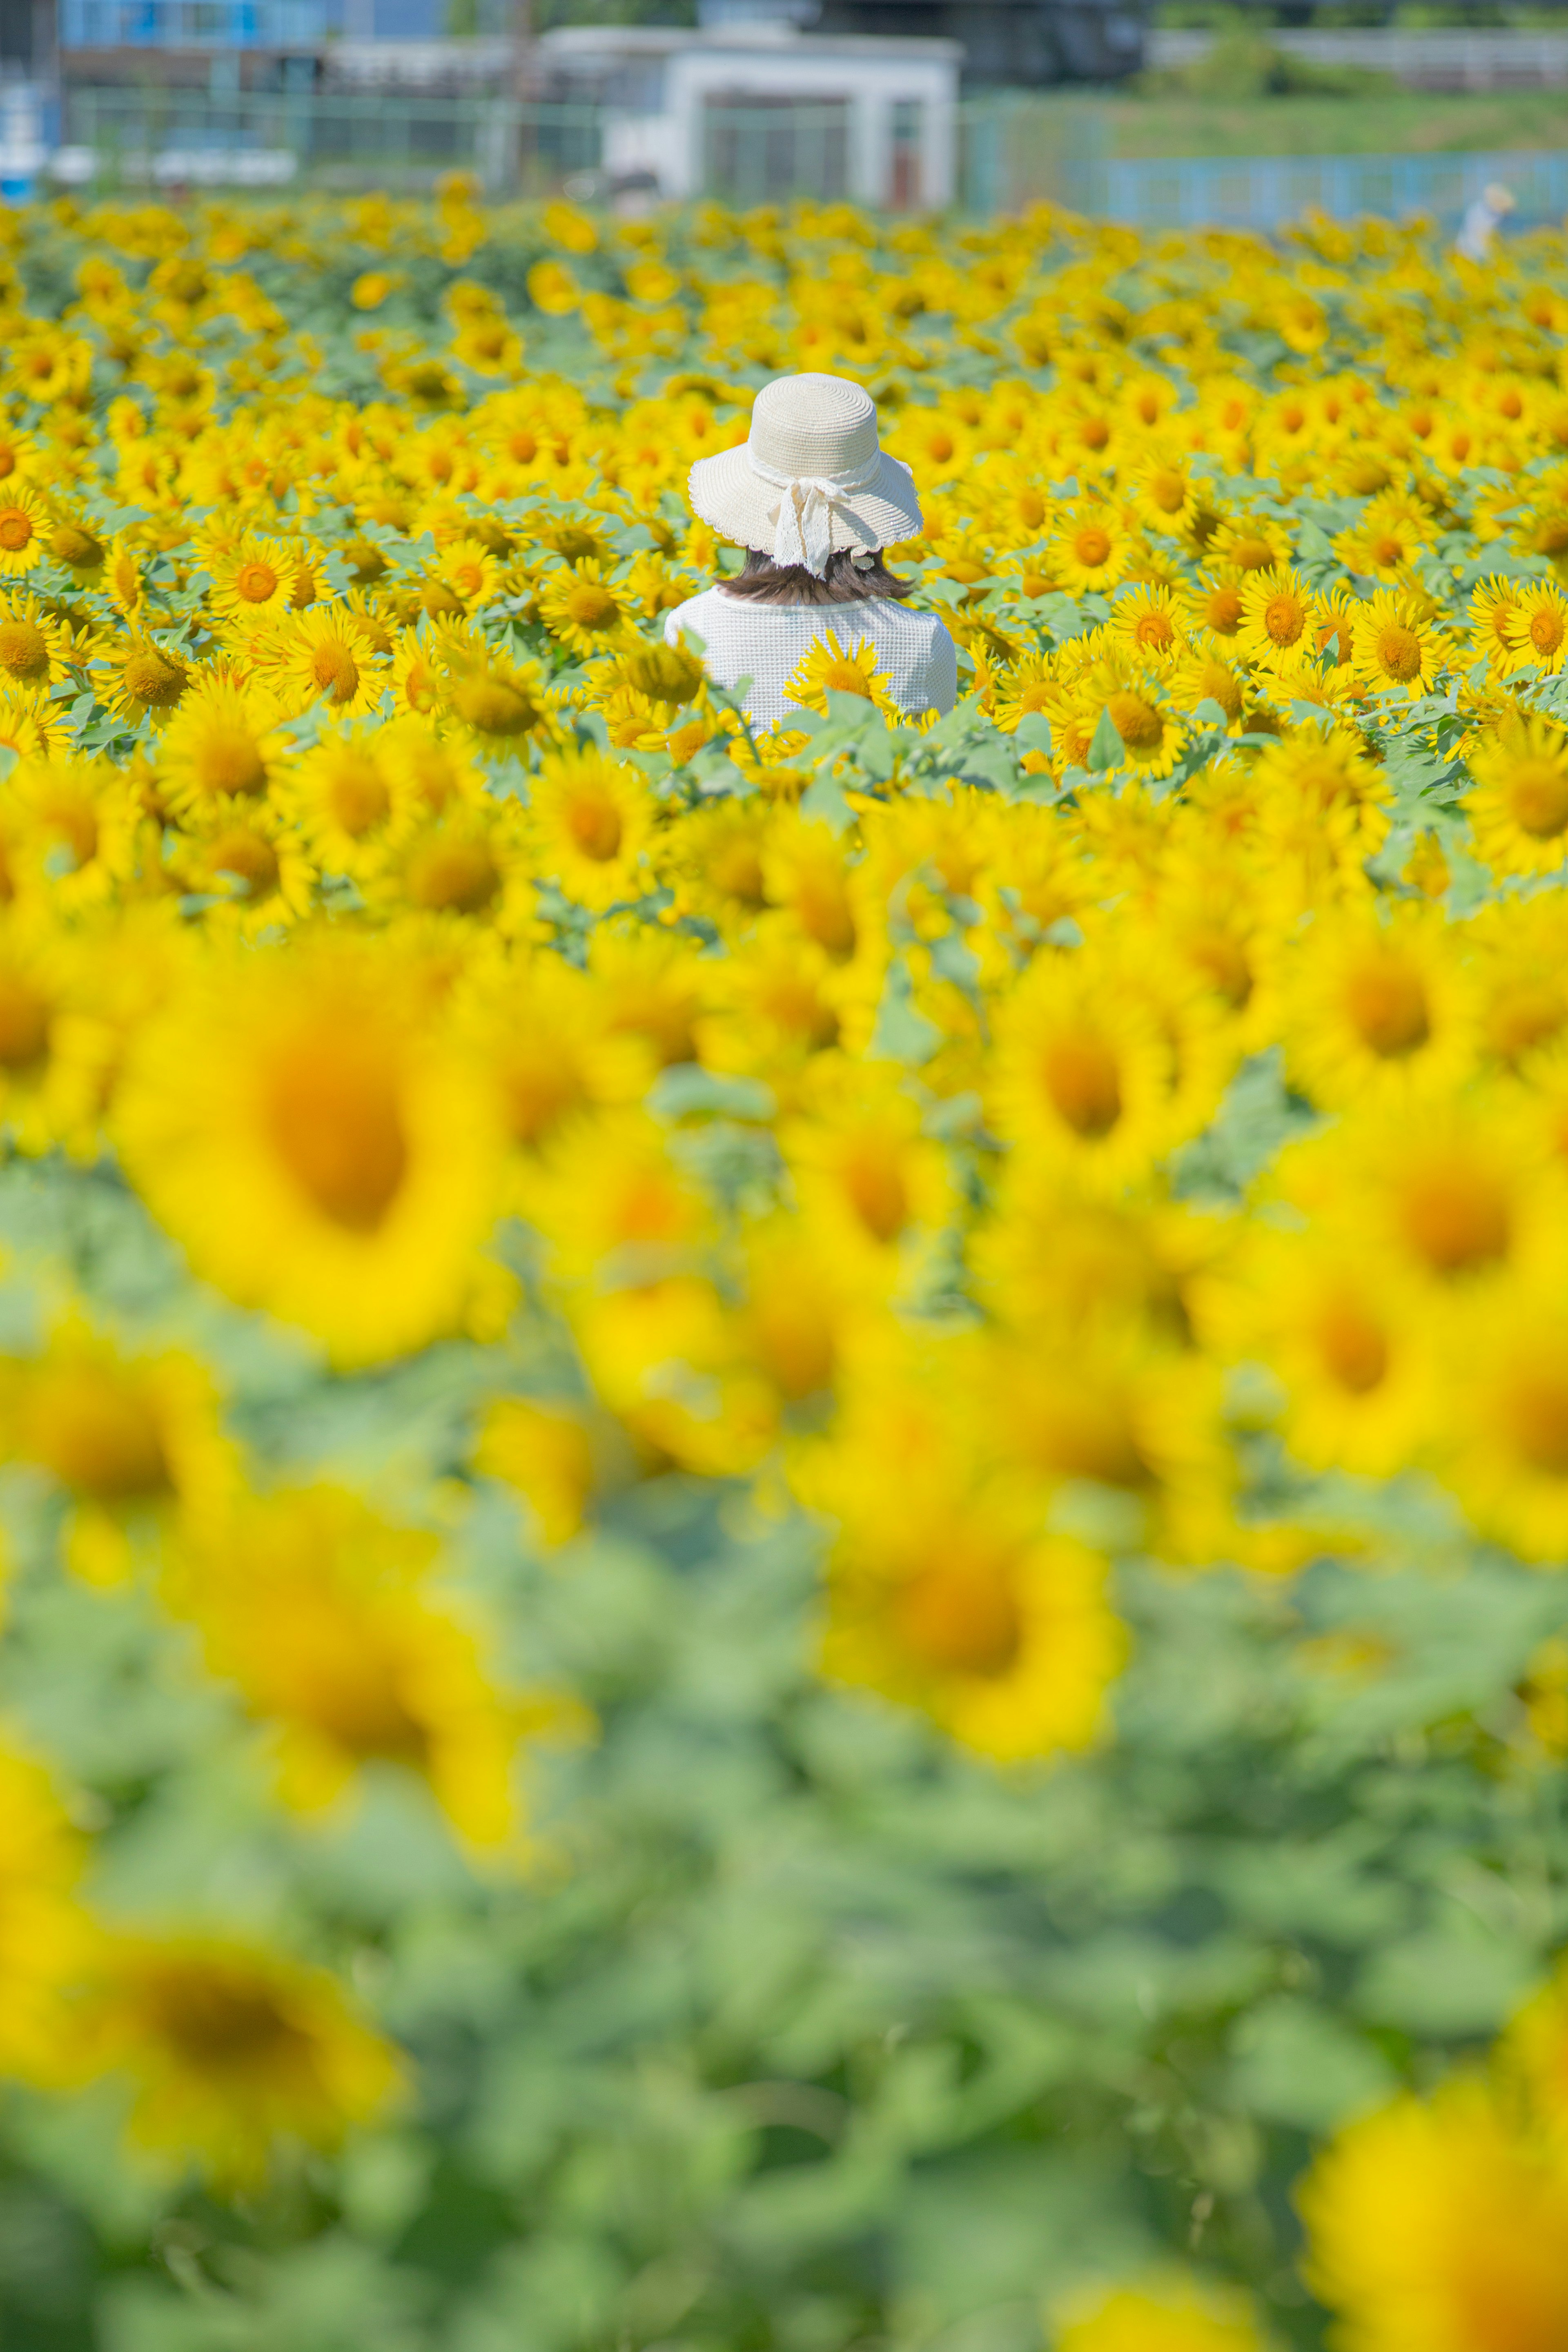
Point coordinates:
[(1015, 151), (1266, 192), (1012, 152), (173, 137), (757, 151)]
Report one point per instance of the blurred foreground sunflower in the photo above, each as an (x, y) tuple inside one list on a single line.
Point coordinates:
[(298, 1125)]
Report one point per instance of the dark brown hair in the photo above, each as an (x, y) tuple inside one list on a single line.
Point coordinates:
[(761, 581)]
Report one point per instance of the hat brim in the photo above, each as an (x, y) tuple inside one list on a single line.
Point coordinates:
[(741, 508)]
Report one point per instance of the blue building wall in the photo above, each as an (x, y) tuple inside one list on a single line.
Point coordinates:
[(194, 24), (239, 24)]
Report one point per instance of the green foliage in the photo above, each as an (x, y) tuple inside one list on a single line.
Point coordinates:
[(801, 2031), (1242, 64)]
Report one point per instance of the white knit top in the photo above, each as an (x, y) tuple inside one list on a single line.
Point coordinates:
[(766, 642)]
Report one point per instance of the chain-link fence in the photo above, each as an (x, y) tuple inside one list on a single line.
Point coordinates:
[(1012, 152), (1265, 192), (173, 137)]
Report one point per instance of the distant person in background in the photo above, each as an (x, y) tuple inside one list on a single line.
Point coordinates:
[(1477, 230), (813, 497)]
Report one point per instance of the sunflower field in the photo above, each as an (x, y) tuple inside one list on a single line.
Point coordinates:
[(783, 1516)]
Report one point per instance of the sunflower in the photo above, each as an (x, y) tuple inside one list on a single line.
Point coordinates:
[(1206, 675), (1151, 622), (496, 704), (21, 458), (35, 643), (635, 724), (131, 1442), (470, 570), (1377, 1007), (1449, 1203), (832, 669), (371, 288), (417, 677), (613, 1205), (1164, 2314), (1029, 684), (147, 679), (559, 1457), (47, 1941), (1357, 1363), (122, 581), (1151, 736), (933, 443), (243, 856), (46, 366), (1425, 2214), (954, 1604), (360, 608), (81, 550), (1218, 608), (43, 984), (870, 1188), (237, 2053), (713, 862), (1333, 627), (583, 610), (307, 578), (252, 582), (1164, 494), (1506, 1450), (24, 526), (323, 660), (1391, 535), (1251, 543), (591, 819), (326, 1618), (348, 797), (775, 1001), (1521, 978), (1536, 631), (1092, 548), (1518, 811), (1276, 626), (468, 863), (297, 1124), (1322, 774), (434, 773), (221, 745), (664, 677), (1082, 1073), (75, 825), (543, 1034), (1396, 646), (1026, 575), (652, 988), (1119, 1408), (1493, 617)]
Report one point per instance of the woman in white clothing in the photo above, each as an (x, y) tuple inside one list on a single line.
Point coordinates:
[(813, 497)]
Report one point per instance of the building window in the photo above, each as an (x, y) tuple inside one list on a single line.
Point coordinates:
[(904, 190)]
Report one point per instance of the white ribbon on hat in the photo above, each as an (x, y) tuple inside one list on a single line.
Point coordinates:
[(804, 532)]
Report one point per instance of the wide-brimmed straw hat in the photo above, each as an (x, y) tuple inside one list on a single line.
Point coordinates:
[(811, 478)]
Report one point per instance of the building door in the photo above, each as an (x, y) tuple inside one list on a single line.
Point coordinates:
[(904, 182)]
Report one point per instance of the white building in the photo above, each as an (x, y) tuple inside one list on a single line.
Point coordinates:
[(754, 111)]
